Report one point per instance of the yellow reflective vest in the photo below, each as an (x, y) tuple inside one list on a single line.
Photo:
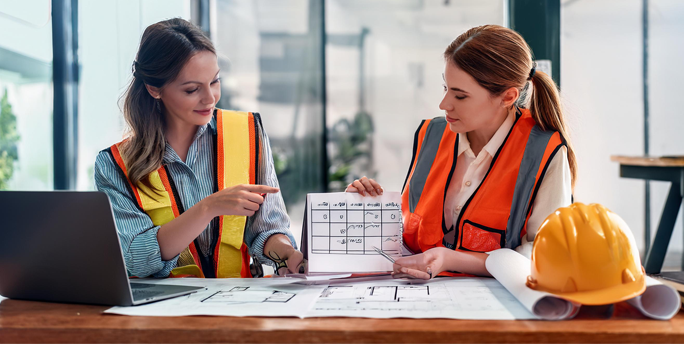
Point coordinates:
[(237, 156)]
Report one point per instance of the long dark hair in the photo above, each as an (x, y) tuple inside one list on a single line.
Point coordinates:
[(164, 49), (499, 58)]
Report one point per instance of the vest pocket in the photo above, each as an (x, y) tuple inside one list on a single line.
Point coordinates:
[(411, 231), (480, 238), (412, 223)]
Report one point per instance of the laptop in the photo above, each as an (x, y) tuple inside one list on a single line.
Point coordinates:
[(62, 246)]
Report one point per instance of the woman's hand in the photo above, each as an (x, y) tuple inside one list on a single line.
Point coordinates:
[(365, 186), (288, 260), (243, 200), (425, 265)]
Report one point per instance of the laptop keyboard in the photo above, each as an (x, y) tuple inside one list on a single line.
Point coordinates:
[(145, 294), (140, 291)]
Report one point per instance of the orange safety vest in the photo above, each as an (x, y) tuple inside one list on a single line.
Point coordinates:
[(237, 156), (496, 215)]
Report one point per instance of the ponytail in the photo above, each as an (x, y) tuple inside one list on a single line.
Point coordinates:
[(498, 58), (546, 110)]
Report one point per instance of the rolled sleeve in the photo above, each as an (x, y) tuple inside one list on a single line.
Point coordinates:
[(271, 218), (137, 233)]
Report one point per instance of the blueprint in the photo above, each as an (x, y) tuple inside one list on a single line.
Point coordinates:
[(232, 297), (452, 298)]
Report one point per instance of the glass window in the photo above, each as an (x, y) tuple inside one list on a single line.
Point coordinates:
[(26, 95), (384, 70), (109, 35), (383, 66), (602, 87), (270, 59), (666, 53), (602, 93)]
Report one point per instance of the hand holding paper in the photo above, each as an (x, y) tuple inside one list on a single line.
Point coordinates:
[(341, 229), (365, 186), (423, 266)]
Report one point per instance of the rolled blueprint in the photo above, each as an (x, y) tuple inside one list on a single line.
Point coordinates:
[(659, 301), (511, 269)]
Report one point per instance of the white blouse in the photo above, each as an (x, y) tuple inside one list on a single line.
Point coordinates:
[(555, 190)]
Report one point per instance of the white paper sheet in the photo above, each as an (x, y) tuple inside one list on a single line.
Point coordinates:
[(347, 277), (319, 276), (343, 227), (659, 301), (511, 269), (451, 298), (276, 297)]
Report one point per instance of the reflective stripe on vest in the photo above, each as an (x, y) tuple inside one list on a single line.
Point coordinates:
[(428, 152), (236, 163), (438, 142), (496, 214), (534, 152)]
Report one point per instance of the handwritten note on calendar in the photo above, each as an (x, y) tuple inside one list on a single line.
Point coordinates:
[(342, 229)]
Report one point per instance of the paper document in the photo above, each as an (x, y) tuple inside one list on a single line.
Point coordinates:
[(450, 298), (341, 229), (659, 301), (511, 269), (319, 276), (232, 297)]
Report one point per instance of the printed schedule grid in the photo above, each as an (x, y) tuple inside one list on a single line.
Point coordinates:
[(354, 226)]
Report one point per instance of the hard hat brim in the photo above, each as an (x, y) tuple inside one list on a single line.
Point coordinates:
[(607, 296)]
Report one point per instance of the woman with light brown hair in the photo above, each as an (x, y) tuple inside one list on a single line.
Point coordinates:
[(486, 174), (193, 188)]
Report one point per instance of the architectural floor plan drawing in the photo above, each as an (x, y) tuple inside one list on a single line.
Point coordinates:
[(439, 298), (241, 294), (451, 298), (386, 293), (233, 297)]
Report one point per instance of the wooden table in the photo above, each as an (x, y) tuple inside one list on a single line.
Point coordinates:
[(28, 321), (670, 169)]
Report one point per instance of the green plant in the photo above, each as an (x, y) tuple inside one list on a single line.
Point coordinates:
[(8, 141), (352, 145), (298, 164)]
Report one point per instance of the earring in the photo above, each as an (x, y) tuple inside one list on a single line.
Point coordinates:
[(157, 104)]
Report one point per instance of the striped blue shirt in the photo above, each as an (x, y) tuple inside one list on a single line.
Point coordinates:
[(194, 180)]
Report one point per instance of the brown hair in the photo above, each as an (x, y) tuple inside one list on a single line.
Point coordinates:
[(164, 49), (498, 58)]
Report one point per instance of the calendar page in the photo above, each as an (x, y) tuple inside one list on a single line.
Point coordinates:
[(342, 229)]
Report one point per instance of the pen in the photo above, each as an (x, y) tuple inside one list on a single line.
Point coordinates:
[(382, 253)]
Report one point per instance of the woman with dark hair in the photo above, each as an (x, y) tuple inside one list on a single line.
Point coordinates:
[(192, 187), (486, 174)]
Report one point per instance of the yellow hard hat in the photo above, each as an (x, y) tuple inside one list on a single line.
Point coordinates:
[(586, 254)]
